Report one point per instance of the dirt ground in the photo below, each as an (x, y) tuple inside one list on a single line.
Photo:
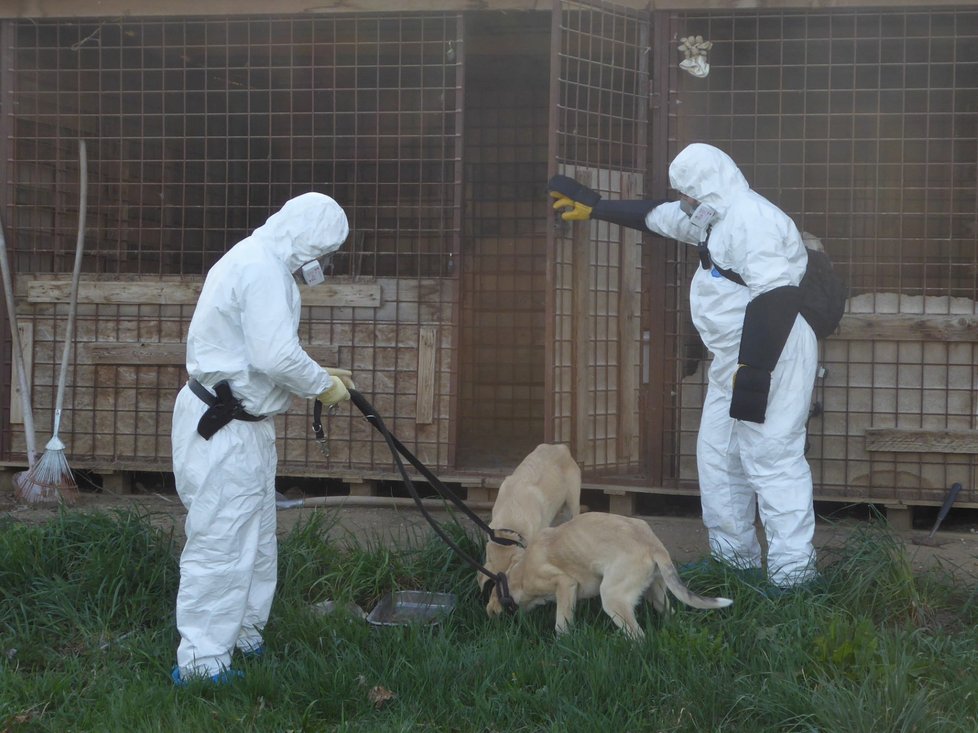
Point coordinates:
[(955, 547)]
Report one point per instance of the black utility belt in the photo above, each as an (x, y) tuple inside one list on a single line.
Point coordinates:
[(222, 408)]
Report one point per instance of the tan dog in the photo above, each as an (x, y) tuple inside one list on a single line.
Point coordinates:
[(618, 557), (529, 499)]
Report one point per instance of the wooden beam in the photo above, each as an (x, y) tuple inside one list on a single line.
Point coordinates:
[(163, 292), (904, 327), (629, 336), (136, 8), (814, 5), (141, 353), (184, 8), (582, 383), (138, 353), (921, 441), (126, 293), (343, 295)]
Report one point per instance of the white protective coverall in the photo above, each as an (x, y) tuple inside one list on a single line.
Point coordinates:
[(745, 465), (244, 330)]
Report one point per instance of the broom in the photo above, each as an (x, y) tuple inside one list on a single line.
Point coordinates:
[(50, 479)]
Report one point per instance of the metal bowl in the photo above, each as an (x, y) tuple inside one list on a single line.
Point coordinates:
[(411, 607)]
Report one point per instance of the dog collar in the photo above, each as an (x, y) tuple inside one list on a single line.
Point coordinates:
[(519, 541)]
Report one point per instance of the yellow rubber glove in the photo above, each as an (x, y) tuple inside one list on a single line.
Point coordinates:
[(344, 375), (336, 393), (570, 210), (575, 201)]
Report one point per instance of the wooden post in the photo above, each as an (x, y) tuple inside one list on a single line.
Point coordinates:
[(620, 502), (427, 351), (27, 348), (629, 318), (899, 517), (362, 487), (116, 482), (581, 339)]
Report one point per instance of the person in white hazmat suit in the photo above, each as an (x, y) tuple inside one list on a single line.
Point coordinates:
[(245, 365), (744, 301)]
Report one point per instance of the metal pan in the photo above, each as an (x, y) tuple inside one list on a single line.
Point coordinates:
[(411, 607)]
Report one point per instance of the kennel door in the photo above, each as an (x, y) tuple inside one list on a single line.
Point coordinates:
[(599, 121)]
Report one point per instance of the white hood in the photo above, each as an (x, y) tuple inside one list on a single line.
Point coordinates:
[(708, 175), (245, 326), (307, 227)]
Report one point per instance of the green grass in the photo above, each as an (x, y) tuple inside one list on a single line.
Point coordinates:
[(87, 641)]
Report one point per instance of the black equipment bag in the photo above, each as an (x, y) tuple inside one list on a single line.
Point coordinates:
[(823, 295)]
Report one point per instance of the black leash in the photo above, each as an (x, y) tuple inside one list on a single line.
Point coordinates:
[(397, 450), (370, 413), (318, 430)]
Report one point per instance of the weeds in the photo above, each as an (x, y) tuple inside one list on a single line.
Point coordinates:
[(87, 638)]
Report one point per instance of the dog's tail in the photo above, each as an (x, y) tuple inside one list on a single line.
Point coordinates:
[(675, 584)]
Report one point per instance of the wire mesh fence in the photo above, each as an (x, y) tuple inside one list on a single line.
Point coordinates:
[(197, 131), (478, 325), (861, 125)]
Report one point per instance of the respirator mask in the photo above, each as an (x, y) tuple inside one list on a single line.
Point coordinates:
[(314, 271), (701, 215)]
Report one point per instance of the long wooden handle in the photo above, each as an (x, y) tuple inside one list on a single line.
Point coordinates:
[(18, 355), (75, 277)]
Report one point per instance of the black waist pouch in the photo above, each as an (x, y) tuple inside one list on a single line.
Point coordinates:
[(220, 412)]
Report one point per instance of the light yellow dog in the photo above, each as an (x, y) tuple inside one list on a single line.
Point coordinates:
[(618, 557), (529, 499)]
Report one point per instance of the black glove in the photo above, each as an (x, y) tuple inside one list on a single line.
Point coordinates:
[(577, 202), (750, 390), (574, 200)]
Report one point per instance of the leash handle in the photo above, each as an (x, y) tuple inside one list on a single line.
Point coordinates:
[(317, 428)]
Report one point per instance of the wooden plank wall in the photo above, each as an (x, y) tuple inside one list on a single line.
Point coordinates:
[(899, 363), (128, 364), (898, 396)]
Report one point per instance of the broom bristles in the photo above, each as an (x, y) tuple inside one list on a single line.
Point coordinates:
[(49, 480)]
